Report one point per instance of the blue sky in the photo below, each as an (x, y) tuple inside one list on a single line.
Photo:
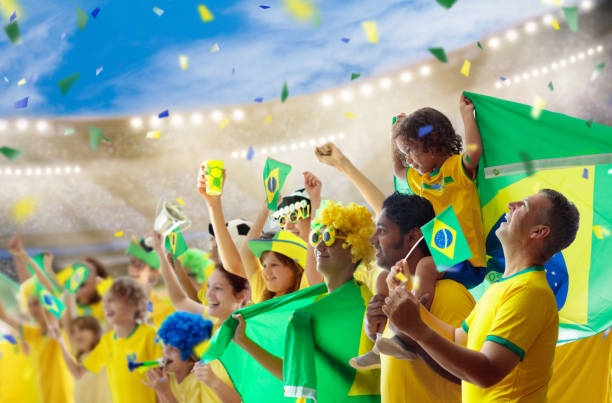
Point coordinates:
[(139, 50)]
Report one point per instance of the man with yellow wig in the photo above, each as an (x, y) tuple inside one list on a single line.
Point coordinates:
[(340, 238)]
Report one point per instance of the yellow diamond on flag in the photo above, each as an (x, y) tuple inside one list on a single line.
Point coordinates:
[(443, 239), (272, 184)]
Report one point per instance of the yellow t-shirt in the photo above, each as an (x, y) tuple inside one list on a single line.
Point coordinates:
[(367, 274), (56, 382), (413, 381), (18, 375), (258, 285), (96, 310), (520, 313), (111, 352), (162, 308), (450, 185), (92, 388), (191, 390)]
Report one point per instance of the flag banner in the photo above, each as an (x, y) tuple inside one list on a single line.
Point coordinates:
[(80, 272), (175, 243), (274, 176), (49, 301), (564, 155), (445, 240)]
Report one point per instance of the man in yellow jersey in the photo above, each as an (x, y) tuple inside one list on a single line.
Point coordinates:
[(504, 350), (397, 231)]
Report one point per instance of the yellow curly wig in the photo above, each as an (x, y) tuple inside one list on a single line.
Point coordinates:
[(355, 221)]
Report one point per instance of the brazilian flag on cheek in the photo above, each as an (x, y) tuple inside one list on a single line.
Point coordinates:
[(522, 155)]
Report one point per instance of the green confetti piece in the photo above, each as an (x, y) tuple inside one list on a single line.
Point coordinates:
[(11, 153), (439, 54), (597, 71), (12, 31), (82, 18), (285, 92), (589, 122), (571, 17), (95, 135), (355, 76), (479, 45), (107, 139), (317, 18), (65, 83), (550, 86), (69, 131), (447, 4)]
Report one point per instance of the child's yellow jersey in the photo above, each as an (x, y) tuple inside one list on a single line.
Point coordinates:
[(191, 390), (18, 379), (520, 313), (161, 308), (112, 351), (450, 185), (56, 382)]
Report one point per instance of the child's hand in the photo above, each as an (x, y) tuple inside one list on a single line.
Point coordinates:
[(158, 380), (330, 155), (15, 246), (210, 199), (398, 122), (53, 331), (240, 334), (466, 106), (205, 374), (313, 186)]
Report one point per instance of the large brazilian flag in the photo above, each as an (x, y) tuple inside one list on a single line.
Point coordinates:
[(523, 155)]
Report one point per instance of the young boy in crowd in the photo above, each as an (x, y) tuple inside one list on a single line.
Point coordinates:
[(183, 333), (125, 306)]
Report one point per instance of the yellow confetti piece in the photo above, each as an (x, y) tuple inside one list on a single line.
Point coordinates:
[(119, 234), (21, 82), (349, 115), (180, 201), (465, 69), (556, 3), (401, 277), (154, 134), (268, 119), (600, 232), (371, 31), (223, 124), (214, 48), (537, 106), (555, 24), (205, 13), (301, 10), (23, 209), (184, 62)]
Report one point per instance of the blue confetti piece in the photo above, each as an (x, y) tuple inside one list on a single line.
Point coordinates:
[(10, 338), (150, 306), (585, 173), (233, 71), (22, 103), (13, 16), (264, 7), (250, 153), (425, 130), (258, 99), (345, 40), (503, 78), (163, 114), (95, 12)]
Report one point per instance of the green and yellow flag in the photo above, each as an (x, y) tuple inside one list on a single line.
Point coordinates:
[(175, 243), (49, 301), (274, 176), (573, 157), (315, 334), (445, 240), (80, 272)]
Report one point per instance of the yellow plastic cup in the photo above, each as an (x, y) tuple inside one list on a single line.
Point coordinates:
[(214, 177)]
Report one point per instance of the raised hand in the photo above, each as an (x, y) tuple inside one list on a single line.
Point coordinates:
[(210, 199), (313, 186), (330, 155)]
